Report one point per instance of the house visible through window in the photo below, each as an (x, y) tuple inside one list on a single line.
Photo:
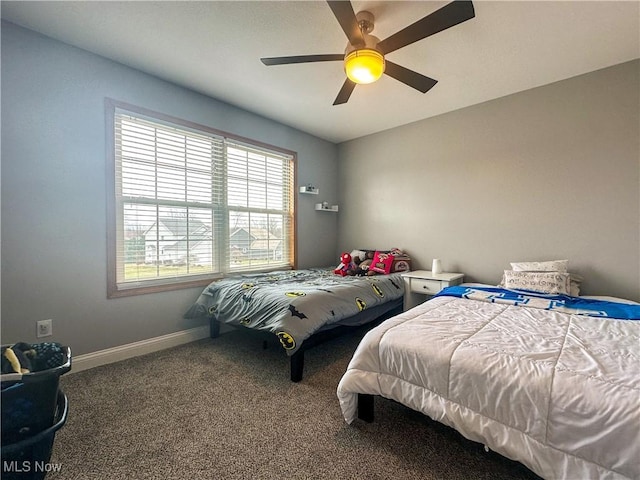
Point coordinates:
[(189, 203)]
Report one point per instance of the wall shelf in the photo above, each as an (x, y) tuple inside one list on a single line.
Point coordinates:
[(310, 190), (332, 208)]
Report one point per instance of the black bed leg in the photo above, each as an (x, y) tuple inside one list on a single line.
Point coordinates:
[(214, 328), (297, 365), (365, 407)]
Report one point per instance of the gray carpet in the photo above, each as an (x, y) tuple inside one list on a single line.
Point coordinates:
[(225, 409)]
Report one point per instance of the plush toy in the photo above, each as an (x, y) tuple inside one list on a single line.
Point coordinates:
[(361, 259), (373, 262), (358, 256), (365, 267), (346, 265)]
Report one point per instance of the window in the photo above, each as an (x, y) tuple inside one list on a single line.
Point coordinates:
[(189, 204)]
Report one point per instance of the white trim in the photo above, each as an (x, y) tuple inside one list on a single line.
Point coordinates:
[(130, 350)]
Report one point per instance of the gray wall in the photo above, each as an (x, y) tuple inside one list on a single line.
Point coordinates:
[(545, 174), (549, 173), (54, 200)]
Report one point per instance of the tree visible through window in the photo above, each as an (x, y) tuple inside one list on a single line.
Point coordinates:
[(191, 203)]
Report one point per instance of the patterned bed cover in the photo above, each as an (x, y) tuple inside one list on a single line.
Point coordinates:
[(295, 304)]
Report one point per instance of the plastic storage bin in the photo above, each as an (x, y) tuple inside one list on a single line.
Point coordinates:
[(29, 458), (29, 400), (33, 410)]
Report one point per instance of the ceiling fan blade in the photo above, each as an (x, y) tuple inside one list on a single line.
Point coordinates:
[(451, 14), (409, 77), (345, 92), (346, 17), (302, 59)]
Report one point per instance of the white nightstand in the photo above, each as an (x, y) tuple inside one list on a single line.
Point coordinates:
[(420, 284)]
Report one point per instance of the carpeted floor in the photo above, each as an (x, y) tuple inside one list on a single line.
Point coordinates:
[(225, 409)]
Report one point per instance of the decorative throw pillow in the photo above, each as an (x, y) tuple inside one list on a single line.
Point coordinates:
[(543, 282), (401, 265), (548, 266), (401, 261), (382, 262)]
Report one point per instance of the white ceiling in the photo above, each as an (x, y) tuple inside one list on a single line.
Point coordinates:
[(214, 48)]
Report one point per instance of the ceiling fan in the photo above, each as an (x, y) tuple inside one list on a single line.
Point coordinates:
[(364, 56)]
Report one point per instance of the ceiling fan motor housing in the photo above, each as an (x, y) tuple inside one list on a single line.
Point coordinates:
[(365, 22), (370, 43)]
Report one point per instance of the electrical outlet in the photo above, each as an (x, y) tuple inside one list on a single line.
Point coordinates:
[(44, 328)]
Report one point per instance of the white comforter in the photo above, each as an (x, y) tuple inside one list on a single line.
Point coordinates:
[(560, 393)]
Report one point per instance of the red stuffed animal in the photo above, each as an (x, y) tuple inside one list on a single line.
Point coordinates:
[(346, 265)]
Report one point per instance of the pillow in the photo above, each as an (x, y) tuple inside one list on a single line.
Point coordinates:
[(382, 262), (574, 284), (542, 282), (358, 255), (549, 266), (401, 261), (368, 253), (400, 265)]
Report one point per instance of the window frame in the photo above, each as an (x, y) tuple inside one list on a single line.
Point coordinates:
[(116, 290)]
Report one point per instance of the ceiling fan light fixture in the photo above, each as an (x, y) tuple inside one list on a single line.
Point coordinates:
[(363, 66)]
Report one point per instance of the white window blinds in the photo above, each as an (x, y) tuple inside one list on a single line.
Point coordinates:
[(192, 204)]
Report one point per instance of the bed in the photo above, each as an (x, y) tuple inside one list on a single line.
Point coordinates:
[(551, 381), (299, 307)]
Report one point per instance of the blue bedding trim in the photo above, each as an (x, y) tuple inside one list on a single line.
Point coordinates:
[(560, 303)]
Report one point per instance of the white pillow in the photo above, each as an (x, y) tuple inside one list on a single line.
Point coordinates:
[(359, 254), (548, 266), (543, 282), (575, 282)]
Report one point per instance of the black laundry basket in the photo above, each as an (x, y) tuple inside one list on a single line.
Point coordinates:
[(33, 410), (29, 458)]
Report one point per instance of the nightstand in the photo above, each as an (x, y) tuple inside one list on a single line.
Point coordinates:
[(420, 284)]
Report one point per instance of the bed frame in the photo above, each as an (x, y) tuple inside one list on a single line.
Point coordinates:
[(586, 352), (372, 318), (365, 407)]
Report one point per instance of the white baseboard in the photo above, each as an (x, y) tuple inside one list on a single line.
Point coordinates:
[(130, 350)]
